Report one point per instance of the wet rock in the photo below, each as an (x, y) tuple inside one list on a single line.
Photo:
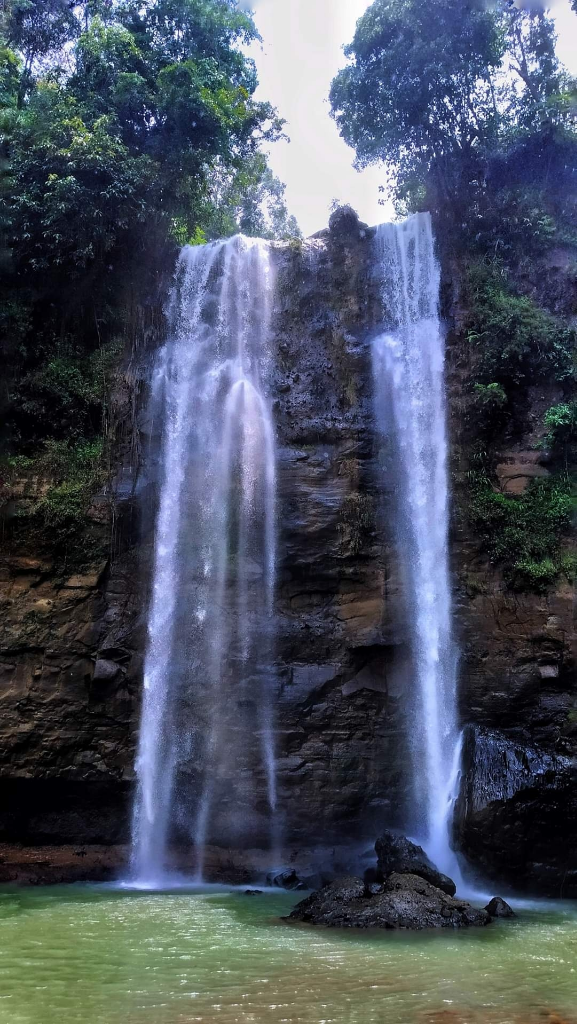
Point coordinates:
[(372, 876), (105, 671), (286, 880), (253, 892), (517, 798), (498, 907), (396, 853), (373, 888), (86, 581), (43, 607), (316, 880), (403, 901), (497, 768), (516, 470)]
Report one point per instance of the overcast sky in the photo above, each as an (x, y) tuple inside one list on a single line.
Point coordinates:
[(301, 52)]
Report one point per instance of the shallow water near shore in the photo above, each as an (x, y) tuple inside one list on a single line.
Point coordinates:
[(103, 955)]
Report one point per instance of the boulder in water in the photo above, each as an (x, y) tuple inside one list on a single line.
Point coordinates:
[(399, 854), (498, 907), (403, 901), (287, 879)]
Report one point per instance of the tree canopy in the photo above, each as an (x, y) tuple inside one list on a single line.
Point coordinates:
[(128, 127), (434, 89)]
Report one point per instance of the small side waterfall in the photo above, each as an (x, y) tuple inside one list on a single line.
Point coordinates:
[(408, 369), (206, 744)]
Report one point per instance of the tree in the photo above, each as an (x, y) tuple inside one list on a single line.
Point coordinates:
[(179, 90), (125, 123), (249, 199), (433, 88), (77, 188), (36, 29)]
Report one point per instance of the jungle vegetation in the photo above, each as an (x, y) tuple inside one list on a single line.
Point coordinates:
[(127, 129)]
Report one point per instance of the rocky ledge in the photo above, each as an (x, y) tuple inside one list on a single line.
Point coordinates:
[(407, 892), (396, 853), (403, 901)]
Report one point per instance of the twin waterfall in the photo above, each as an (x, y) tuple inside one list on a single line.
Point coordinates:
[(210, 632), (408, 373), (207, 745)]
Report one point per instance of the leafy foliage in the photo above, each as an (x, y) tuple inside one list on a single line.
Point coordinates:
[(490, 396), (249, 199), (490, 404), (407, 94), (561, 427), (129, 127), (561, 421), (434, 90), (524, 533), (77, 188), (76, 470), (64, 396), (38, 29), (63, 507), (517, 340)]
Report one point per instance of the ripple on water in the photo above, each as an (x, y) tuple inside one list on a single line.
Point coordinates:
[(90, 955)]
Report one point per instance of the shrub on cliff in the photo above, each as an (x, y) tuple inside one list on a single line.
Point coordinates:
[(524, 533), (489, 407), (517, 341), (55, 518)]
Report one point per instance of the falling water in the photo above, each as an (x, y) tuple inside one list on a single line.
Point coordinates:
[(206, 748), (408, 365)]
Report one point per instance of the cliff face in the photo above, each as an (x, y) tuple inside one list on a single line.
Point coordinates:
[(71, 646), (70, 656)]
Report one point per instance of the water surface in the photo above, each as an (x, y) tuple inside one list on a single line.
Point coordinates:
[(103, 956)]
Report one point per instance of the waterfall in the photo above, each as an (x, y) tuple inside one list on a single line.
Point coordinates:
[(205, 760), (408, 372)]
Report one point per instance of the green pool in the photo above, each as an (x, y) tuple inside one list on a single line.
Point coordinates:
[(105, 956)]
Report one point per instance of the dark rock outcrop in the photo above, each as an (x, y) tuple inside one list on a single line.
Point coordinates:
[(286, 880), (404, 901), (515, 816), (344, 222), (396, 853), (498, 907)]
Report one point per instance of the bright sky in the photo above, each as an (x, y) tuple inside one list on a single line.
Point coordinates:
[(301, 52)]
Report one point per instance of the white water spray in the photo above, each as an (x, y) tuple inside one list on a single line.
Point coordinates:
[(207, 699), (408, 369)]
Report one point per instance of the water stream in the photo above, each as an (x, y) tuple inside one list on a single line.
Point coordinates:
[(206, 757), (408, 369)]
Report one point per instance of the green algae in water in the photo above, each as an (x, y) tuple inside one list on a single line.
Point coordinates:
[(103, 956)]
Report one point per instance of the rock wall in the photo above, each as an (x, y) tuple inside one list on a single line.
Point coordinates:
[(71, 646)]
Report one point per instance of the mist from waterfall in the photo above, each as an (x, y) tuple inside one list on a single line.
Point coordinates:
[(206, 743), (408, 373)]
